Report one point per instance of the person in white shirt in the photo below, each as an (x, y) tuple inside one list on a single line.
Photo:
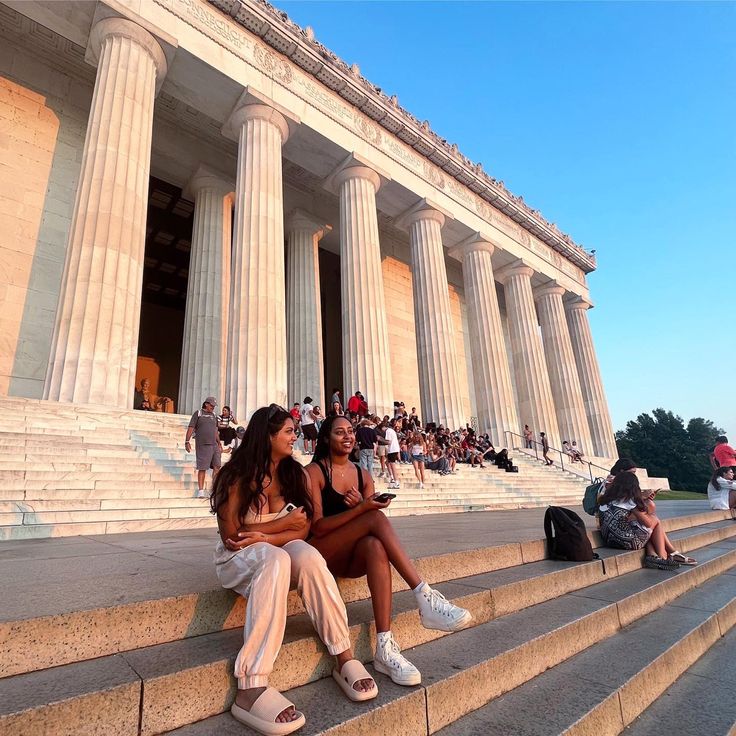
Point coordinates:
[(722, 489), (307, 422), (392, 453)]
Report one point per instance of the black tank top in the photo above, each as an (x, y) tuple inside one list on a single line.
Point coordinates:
[(333, 502)]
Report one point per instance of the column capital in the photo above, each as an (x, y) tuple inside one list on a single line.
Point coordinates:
[(301, 220), (517, 268), (254, 111), (355, 166), (125, 28), (550, 288), (207, 178), (575, 301), (471, 244), (424, 209)]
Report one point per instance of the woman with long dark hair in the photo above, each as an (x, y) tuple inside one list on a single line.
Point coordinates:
[(628, 521), (357, 539), (263, 504), (722, 489)]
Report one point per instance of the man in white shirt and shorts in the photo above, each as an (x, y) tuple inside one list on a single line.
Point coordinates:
[(309, 429)]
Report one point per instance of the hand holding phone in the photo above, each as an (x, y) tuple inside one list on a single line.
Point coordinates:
[(384, 497)]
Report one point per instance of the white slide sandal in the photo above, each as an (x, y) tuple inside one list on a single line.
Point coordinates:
[(263, 713), (351, 672)]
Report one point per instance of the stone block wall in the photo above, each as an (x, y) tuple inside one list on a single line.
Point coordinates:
[(43, 118)]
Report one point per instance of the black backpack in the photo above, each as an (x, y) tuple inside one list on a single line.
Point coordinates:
[(567, 538)]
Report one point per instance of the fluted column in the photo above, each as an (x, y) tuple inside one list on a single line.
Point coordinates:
[(95, 346), (204, 349), (563, 373), (536, 406), (439, 383), (304, 307), (256, 363), (365, 350), (494, 396), (591, 385)]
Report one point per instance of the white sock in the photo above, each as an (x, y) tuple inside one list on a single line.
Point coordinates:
[(419, 590), (382, 638)]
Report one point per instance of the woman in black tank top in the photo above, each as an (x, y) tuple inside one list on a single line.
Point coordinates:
[(356, 539)]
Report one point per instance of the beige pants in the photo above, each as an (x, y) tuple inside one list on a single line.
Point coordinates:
[(263, 575)]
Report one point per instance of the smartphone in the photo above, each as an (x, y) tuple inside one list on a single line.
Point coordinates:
[(289, 508), (383, 497)]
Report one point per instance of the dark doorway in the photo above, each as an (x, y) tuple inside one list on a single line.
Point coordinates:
[(329, 279), (164, 293)]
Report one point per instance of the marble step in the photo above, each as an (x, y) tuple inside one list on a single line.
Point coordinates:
[(47, 635), (709, 683), (606, 687), (464, 671)]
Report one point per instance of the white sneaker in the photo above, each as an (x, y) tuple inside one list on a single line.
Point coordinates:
[(390, 661), (394, 484), (201, 493), (436, 612), (421, 486)]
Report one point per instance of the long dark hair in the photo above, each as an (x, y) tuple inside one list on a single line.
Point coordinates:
[(322, 450), (719, 474), (250, 467), (625, 487)]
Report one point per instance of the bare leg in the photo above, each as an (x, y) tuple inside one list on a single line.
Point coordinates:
[(370, 559), (421, 472), (657, 541), (338, 547), (201, 475), (416, 470), (392, 473)]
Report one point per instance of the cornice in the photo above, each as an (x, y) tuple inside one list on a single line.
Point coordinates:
[(276, 29)]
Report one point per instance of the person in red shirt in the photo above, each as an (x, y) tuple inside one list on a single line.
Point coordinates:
[(724, 454), (295, 413), (354, 404)]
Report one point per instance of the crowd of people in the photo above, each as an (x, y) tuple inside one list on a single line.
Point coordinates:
[(282, 524)]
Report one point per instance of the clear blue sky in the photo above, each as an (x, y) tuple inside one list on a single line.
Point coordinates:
[(618, 122)]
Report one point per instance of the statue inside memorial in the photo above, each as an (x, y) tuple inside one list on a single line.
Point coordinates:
[(144, 399)]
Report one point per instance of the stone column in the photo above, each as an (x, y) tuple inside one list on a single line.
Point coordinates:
[(536, 406), (204, 349), (365, 351), (304, 307), (494, 394), (594, 397), (95, 346), (563, 373), (439, 384), (256, 362)]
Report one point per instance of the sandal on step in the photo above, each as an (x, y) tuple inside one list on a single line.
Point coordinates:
[(682, 559), (353, 671), (657, 563), (263, 713)]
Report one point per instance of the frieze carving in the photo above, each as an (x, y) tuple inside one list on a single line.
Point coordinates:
[(273, 64), (368, 130), (222, 27), (433, 176)]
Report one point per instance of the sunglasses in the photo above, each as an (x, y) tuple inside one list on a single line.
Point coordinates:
[(273, 409)]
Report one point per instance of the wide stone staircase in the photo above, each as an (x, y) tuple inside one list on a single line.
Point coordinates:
[(555, 648), (67, 469)]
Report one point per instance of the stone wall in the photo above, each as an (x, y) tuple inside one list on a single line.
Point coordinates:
[(43, 118)]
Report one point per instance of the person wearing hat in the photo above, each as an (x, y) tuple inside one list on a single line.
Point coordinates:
[(203, 426)]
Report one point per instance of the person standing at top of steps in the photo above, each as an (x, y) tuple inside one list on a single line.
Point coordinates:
[(263, 504), (203, 427), (356, 539)]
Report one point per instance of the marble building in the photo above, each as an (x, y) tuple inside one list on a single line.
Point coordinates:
[(203, 190)]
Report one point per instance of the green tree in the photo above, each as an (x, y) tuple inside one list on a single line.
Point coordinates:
[(663, 445)]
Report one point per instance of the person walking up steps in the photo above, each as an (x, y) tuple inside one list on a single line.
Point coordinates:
[(203, 427), (545, 449)]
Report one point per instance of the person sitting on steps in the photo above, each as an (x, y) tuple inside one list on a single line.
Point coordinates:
[(263, 504), (722, 489), (628, 521), (356, 538)]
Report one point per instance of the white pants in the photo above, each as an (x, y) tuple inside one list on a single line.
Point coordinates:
[(263, 575)]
